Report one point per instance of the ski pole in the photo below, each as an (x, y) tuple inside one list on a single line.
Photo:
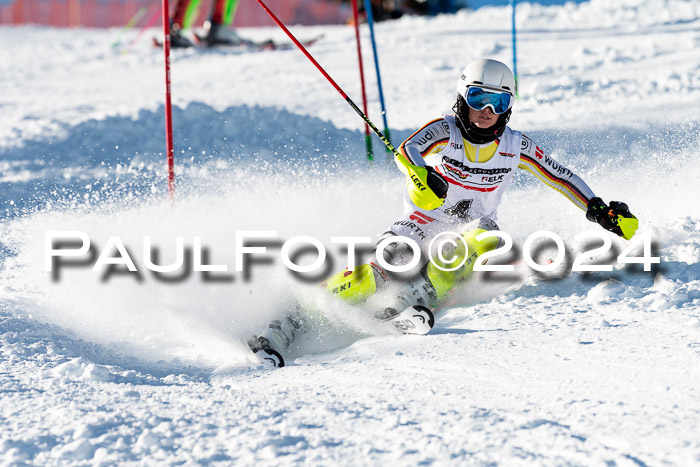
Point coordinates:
[(370, 22), (130, 24), (368, 138), (151, 21), (330, 80), (191, 13), (230, 11), (168, 107)]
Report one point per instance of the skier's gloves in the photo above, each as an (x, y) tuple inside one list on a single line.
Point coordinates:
[(616, 218), (426, 188)]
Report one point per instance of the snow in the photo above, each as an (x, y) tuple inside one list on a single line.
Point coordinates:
[(521, 369)]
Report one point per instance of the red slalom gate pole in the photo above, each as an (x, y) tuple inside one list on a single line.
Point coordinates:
[(368, 138), (168, 106), (330, 80)]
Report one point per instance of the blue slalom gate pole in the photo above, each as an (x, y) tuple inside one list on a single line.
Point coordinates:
[(515, 57), (370, 22)]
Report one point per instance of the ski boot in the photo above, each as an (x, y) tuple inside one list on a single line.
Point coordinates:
[(178, 39), (408, 312), (260, 346), (278, 335), (415, 292), (416, 319), (218, 34)]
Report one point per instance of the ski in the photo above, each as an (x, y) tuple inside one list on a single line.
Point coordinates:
[(243, 44), (415, 319), (272, 45)]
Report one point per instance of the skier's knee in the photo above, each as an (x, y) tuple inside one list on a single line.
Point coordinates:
[(456, 259), (397, 254), (357, 285)]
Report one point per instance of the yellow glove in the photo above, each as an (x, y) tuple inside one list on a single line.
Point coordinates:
[(426, 188)]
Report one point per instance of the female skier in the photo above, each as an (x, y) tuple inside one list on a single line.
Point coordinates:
[(457, 167)]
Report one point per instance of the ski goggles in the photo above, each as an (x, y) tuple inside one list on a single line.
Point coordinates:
[(480, 98)]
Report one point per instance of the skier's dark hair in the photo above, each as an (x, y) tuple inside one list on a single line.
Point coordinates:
[(473, 133)]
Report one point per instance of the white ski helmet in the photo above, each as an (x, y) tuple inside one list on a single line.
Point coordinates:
[(486, 73)]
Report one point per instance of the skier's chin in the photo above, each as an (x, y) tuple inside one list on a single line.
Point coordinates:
[(485, 125)]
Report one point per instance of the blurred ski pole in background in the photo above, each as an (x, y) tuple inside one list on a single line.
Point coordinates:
[(370, 22), (151, 21), (368, 137), (130, 24), (330, 80)]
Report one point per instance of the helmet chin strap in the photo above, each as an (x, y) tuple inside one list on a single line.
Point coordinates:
[(459, 119)]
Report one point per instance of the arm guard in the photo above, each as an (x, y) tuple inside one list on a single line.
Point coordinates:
[(426, 188)]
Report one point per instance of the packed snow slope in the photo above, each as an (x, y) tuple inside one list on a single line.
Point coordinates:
[(105, 367)]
